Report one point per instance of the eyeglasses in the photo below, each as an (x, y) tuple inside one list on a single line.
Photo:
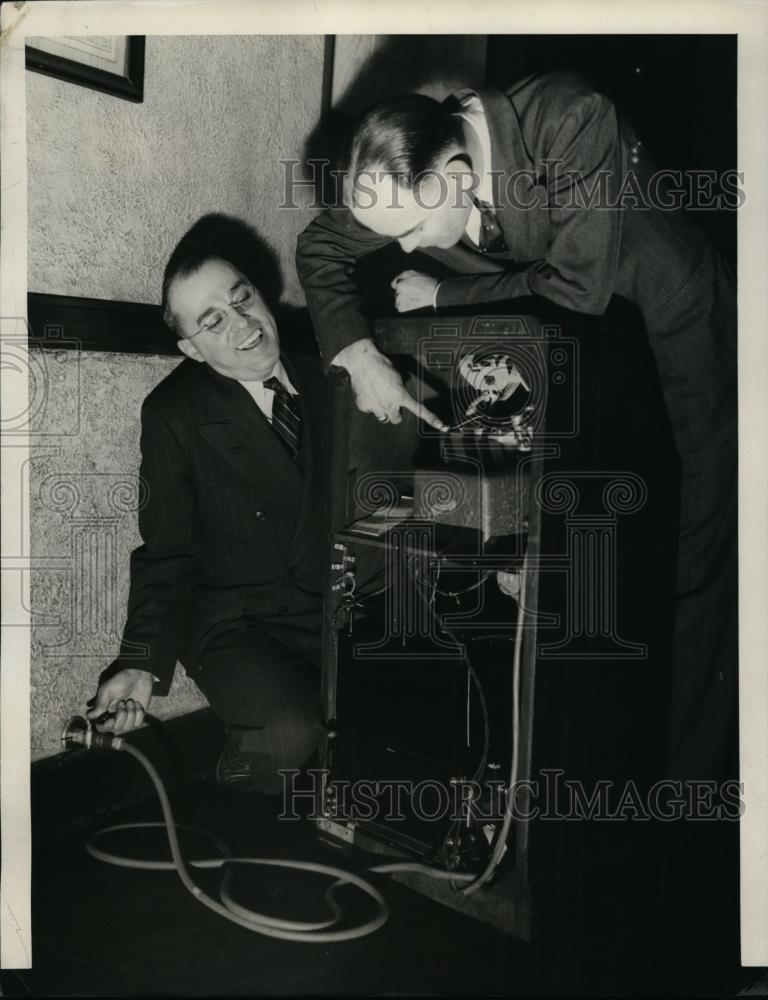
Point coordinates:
[(219, 322)]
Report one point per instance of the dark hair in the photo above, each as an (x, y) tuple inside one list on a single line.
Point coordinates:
[(222, 237), (401, 136)]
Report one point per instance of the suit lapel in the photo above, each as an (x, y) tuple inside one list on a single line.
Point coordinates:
[(231, 421), (310, 385), (526, 229)]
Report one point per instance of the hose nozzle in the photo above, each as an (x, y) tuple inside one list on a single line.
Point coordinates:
[(79, 732)]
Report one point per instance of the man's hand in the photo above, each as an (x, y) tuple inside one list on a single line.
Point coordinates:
[(377, 386), (414, 290), (127, 695)]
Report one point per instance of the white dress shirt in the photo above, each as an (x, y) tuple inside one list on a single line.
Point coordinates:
[(265, 397), (472, 114)]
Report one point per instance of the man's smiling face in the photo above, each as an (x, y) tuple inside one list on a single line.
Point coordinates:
[(223, 321)]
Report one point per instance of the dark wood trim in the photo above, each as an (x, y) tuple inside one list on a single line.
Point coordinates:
[(72, 323), (130, 87), (329, 52)]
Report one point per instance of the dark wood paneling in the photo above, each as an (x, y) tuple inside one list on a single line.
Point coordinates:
[(72, 323)]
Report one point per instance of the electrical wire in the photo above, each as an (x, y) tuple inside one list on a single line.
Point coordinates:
[(455, 593), (440, 624), (358, 598), (501, 837), (475, 882), (455, 827), (499, 846), (436, 873)]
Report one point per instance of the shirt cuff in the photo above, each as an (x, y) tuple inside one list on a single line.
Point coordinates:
[(434, 295), (341, 359)]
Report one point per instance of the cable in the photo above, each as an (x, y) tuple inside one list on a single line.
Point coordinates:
[(441, 626), (229, 908), (287, 930), (455, 827), (413, 866), (451, 593), (290, 930), (501, 838), (475, 882), (366, 596)]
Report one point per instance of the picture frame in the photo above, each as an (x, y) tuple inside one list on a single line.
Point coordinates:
[(111, 64)]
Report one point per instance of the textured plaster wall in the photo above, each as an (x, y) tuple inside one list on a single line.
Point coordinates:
[(112, 186), (84, 494)]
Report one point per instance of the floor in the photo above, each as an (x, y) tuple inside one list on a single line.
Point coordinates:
[(106, 931)]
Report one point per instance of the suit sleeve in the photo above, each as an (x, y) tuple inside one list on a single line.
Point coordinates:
[(162, 569), (326, 254), (579, 268)]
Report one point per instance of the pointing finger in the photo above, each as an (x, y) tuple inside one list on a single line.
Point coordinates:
[(409, 403)]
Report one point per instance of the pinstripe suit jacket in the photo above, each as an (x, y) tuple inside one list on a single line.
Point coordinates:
[(575, 257), (232, 525)]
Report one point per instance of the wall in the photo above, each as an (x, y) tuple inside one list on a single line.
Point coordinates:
[(84, 495), (112, 186)]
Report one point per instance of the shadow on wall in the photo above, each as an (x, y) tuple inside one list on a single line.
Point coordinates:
[(364, 69), (360, 71)]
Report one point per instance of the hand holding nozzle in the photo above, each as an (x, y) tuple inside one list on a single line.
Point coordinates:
[(122, 701), (79, 732)]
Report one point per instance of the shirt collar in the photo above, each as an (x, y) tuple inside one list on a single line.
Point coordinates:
[(472, 113), (259, 391), (281, 375)]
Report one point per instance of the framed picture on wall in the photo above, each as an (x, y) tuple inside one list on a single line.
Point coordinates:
[(113, 64)]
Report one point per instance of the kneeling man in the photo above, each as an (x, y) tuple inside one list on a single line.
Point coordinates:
[(228, 579)]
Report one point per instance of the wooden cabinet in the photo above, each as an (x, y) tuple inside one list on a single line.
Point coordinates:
[(497, 626)]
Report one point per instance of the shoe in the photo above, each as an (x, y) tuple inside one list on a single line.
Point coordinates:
[(241, 771)]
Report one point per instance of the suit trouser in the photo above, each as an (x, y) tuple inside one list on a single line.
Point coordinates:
[(262, 679), (704, 683)]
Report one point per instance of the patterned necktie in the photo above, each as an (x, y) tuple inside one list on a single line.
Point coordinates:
[(286, 419), (491, 237)]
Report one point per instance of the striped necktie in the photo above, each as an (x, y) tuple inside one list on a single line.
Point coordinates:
[(286, 419), (491, 237)]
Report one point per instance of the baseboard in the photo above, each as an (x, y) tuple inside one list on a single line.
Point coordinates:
[(79, 789)]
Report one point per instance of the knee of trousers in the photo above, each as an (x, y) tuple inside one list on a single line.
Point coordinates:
[(294, 745), (286, 740)]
